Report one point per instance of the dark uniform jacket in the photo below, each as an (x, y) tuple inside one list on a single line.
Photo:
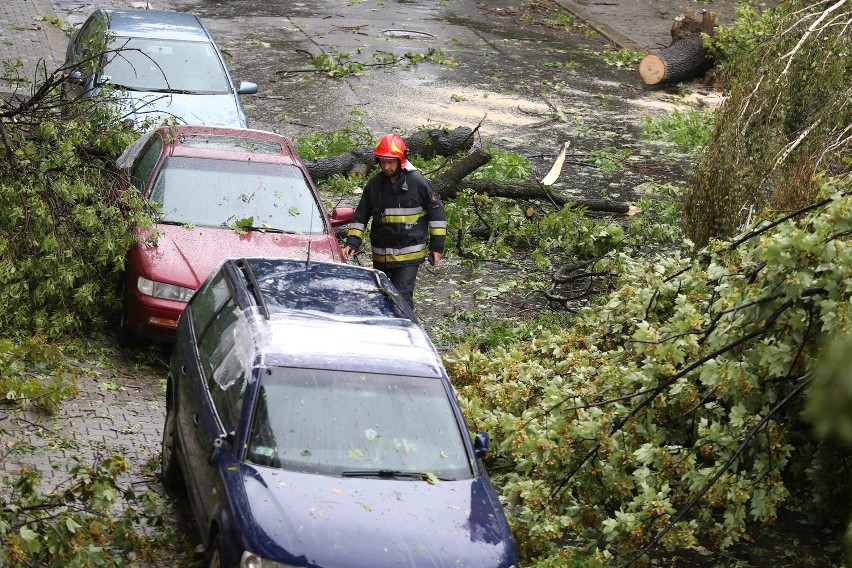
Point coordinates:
[(404, 214)]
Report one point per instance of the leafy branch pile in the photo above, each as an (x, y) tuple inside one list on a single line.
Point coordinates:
[(675, 413), (65, 229), (76, 524), (64, 233), (787, 118), (671, 413)]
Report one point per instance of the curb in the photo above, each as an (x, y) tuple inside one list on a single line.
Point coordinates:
[(56, 38), (619, 39)]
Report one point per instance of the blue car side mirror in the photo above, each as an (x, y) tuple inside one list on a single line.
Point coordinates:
[(76, 78), (247, 88), (480, 444)]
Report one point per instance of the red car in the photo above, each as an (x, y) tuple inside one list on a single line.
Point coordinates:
[(215, 193)]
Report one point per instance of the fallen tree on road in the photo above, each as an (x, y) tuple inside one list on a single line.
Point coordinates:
[(449, 182)]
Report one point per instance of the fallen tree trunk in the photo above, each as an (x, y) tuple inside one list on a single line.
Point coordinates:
[(685, 58), (423, 143), (530, 190), (448, 183)]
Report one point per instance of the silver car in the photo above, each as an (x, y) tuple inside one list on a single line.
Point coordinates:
[(157, 65)]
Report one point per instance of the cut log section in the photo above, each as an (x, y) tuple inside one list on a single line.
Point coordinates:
[(685, 59)]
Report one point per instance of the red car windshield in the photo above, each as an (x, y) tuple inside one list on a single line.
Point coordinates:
[(230, 193)]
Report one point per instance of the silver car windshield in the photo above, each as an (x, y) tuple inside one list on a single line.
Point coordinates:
[(347, 423), (210, 192), (159, 65)]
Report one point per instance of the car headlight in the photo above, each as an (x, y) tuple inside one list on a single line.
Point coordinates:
[(163, 290), (252, 560)]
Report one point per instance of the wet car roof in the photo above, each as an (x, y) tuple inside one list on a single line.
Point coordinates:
[(337, 316), (217, 142), (156, 24)]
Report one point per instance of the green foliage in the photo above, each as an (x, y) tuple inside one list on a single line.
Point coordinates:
[(688, 131), (607, 159), (571, 232), (65, 229), (339, 64), (623, 58), (503, 165), (35, 374), (658, 219), (323, 144), (58, 22), (565, 21), (744, 38), (680, 395), (786, 118), (80, 523), (831, 396), (487, 334)]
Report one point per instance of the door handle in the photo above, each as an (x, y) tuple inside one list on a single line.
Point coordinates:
[(195, 419), (183, 370)]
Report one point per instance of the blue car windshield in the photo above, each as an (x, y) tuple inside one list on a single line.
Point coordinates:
[(333, 422), (159, 65), (209, 192)]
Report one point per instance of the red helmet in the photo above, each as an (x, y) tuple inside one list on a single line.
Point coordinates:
[(391, 146)]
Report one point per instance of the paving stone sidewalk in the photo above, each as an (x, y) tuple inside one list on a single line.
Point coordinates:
[(26, 33), (115, 413)]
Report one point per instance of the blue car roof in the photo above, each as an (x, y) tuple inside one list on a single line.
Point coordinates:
[(335, 316), (156, 24)]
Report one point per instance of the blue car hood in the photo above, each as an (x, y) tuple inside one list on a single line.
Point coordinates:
[(318, 520), (208, 110)]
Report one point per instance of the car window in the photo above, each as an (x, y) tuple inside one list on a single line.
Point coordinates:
[(207, 301), (90, 41), (231, 143), (227, 389), (145, 164), (227, 193), (153, 64), (218, 338), (331, 422)]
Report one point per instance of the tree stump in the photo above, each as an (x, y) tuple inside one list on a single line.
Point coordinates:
[(685, 58)]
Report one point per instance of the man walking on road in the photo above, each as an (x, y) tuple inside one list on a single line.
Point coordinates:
[(406, 213)]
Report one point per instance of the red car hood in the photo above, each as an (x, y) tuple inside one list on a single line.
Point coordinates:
[(186, 256)]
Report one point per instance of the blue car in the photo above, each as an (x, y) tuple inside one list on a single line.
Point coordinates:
[(314, 425), (159, 66)]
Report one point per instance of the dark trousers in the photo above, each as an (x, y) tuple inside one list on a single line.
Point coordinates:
[(403, 277)]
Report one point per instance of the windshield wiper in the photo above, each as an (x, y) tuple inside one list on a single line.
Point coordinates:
[(265, 229), (164, 90), (391, 473)]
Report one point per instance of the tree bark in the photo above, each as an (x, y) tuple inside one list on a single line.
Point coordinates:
[(423, 143), (530, 190), (685, 58), (692, 23)]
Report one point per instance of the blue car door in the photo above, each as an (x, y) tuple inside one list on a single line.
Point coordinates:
[(213, 316)]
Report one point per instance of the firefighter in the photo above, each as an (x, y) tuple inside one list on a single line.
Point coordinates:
[(409, 224)]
